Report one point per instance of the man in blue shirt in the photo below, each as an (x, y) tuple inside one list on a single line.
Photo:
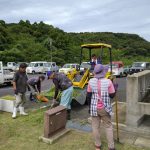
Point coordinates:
[(94, 61)]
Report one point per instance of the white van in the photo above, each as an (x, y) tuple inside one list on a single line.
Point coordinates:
[(37, 67), (12, 65), (6, 76)]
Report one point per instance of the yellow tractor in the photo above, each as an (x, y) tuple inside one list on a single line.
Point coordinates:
[(80, 78), (88, 74), (80, 86)]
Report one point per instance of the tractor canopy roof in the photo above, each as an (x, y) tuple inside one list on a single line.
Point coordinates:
[(97, 45)]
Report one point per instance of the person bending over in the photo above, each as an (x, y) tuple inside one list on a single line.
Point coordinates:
[(63, 84), (35, 86)]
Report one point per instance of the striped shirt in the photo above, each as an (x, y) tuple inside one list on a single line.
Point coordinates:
[(106, 88)]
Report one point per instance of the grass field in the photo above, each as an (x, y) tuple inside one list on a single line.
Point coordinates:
[(22, 134)]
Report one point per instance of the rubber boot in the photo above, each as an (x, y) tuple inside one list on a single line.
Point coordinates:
[(32, 97), (14, 115), (69, 114), (22, 111)]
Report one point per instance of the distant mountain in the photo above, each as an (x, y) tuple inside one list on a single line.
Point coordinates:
[(24, 41)]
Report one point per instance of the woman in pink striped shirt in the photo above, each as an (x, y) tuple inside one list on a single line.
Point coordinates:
[(99, 93)]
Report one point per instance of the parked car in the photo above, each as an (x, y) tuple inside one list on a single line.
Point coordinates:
[(85, 65), (139, 66), (126, 70), (37, 67), (117, 68), (12, 65), (69, 67), (6, 76), (7, 68), (51, 66)]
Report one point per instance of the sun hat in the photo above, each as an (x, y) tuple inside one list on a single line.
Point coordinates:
[(100, 70), (106, 68)]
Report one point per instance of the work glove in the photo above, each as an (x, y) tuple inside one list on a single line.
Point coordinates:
[(15, 92), (54, 103)]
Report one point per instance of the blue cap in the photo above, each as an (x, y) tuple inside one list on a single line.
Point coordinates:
[(49, 73)]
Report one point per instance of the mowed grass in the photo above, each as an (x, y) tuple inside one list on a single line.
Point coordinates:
[(22, 133)]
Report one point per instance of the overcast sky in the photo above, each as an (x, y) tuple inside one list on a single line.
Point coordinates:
[(125, 16)]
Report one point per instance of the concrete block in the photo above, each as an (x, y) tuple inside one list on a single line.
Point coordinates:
[(52, 139), (137, 85), (54, 121), (6, 105)]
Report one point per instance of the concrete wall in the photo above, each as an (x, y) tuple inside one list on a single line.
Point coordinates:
[(137, 87), (6, 105)]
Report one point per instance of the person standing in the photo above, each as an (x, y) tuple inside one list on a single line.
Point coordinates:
[(19, 86), (99, 92), (35, 86), (63, 84), (94, 61)]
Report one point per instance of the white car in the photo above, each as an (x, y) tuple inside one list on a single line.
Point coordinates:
[(117, 68), (68, 67), (85, 65)]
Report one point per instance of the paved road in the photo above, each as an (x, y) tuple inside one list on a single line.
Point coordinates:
[(8, 90), (78, 111)]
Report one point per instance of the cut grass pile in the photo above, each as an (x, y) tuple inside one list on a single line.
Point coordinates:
[(51, 92), (22, 134)]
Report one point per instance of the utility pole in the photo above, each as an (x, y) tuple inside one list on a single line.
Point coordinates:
[(50, 47)]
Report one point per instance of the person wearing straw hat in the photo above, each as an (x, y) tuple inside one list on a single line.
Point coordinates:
[(99, 93)]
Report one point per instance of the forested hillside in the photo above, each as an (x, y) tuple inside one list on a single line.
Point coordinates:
[(25, 42)]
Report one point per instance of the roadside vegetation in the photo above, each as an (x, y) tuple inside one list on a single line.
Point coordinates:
[(23, 133), (26, 42)]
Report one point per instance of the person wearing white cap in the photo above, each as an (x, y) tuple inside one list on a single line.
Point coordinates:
[(99, 92)]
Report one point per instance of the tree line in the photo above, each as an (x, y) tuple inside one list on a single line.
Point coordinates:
[(26, 42)]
